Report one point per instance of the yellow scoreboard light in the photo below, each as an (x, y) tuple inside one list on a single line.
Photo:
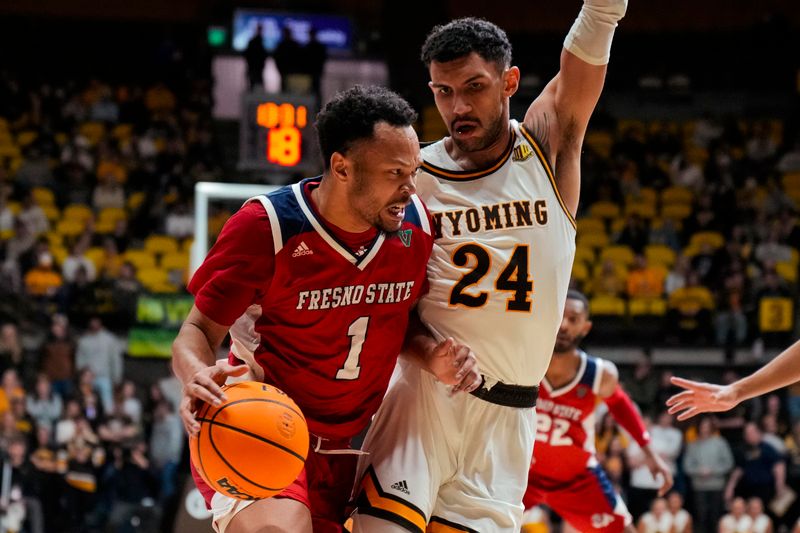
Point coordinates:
[(277, 134)]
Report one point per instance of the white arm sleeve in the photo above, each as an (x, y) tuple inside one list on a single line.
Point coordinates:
[(591, 34)]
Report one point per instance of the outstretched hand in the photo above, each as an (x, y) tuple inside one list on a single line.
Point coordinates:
[(700, 398), (205, 386), (454, 364)]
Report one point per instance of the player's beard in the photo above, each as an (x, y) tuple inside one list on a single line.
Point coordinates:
[(567, 346), (369, 208), (493, 130)]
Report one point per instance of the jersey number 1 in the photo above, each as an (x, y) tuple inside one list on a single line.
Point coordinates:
[(358, 334), (515, 278)]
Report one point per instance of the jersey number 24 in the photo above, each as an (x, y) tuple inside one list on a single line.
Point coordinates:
[(514, 278)]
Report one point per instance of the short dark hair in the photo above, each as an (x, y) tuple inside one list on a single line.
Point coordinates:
[(573, 294), (351, 116), (463, 36)]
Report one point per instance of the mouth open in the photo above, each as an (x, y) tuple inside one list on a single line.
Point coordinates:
[(464, 127), (397, 211)]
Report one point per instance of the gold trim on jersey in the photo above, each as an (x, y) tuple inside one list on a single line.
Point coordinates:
[(440, 525), (549, 171), (376, 502), (471, 174)]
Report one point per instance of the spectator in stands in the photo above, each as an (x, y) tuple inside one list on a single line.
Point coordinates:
[(131, 483), (759, 469), (316, 54), (101, 351), (689, 314), (25, 482), (43, 281), (180, 221), (10, 389), (43, 404), (634, 234), (85, 456), (77, 259), (761, 145), (108, 193), (737, 520), (255, 56), (44, 459), (607, 280), (643, 388), (126, 290), (703, 264), (58, 356), (658, 519), (681, 519), (104, 109), (10, 347), (288, 58), (6, 216), (707, 462), (80, 299), (159, 100), (117, 427), (665, 233), (67, 425), (33, 216), (761, 522), (676, 278), (35, 170), (21, 242), (131, 405), (166, 445), (644, 281), (772, 250), (667, 441), (92, 408), (790, 161), (769, 433), (730, 321)]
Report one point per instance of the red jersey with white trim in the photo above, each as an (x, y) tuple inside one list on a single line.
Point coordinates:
[(335, 306), (565, 424)]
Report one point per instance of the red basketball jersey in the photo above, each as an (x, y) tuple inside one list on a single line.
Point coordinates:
[(333, 317), (565, 424)]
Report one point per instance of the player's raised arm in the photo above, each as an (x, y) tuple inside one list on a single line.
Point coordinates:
[(707, 397), (626, 415), (559, 116)]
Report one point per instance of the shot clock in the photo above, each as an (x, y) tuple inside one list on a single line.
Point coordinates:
[(277, 134)]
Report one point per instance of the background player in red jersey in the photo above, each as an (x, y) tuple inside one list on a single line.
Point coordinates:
[(328, 269), (565, 474)]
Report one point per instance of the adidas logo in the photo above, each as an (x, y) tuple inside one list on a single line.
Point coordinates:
[(302, 249), (402, 486)]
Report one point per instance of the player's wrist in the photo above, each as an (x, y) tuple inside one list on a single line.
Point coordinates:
[(590, 36)]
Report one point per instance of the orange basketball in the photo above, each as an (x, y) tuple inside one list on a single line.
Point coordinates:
[(253, 445)]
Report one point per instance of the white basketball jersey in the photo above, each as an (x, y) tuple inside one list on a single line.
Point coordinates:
[(502, 258)]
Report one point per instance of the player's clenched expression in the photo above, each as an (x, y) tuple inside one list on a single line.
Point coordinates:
[(574, 326), (384, 175), (472, 97)]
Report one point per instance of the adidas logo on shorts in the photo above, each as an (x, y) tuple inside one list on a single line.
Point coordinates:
[(402, 486), (302, 249)]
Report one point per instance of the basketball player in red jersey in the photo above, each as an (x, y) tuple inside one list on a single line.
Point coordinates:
[(335, 264), (565, 474)]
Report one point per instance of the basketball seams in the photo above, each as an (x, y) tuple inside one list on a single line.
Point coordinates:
[(253, 435), (234, 469), (289, 407)]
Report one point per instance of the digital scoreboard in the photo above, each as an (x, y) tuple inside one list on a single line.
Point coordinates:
[(277, 134)]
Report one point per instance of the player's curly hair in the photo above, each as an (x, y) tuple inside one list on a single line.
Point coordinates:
[(463, 36), (351, 116)]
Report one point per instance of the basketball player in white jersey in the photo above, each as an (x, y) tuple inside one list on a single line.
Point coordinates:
[(503, 196)]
